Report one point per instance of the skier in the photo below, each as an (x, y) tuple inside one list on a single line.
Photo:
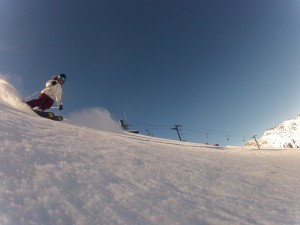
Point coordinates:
[(52, 91)]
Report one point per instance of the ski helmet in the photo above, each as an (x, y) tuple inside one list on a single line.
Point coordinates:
[(62, 77)]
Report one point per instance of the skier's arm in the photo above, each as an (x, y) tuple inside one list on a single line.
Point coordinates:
[(58, 100), (51, 83)]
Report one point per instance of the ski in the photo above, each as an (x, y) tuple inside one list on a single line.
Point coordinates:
[(49, 115)]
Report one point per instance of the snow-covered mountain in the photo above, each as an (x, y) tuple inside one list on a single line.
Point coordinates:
[(58, 173), (284, 135)]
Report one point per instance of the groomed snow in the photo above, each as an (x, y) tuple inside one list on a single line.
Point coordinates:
[(58, 173)]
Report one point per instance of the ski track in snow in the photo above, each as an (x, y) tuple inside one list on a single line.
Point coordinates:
[(58, 173)]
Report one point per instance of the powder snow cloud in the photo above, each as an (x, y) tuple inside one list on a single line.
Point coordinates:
[(98, 118), (10, 96)]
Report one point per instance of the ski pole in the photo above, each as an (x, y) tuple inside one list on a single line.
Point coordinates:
[(32, 95)]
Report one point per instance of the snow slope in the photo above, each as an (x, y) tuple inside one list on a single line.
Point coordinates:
[(58, 173)]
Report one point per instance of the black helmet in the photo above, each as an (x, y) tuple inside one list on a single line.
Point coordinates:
[(62, 77)]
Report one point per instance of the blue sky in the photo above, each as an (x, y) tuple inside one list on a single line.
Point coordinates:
[(221, 69)]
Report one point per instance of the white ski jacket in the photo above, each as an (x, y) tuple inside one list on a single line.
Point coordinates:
[(53, 91)]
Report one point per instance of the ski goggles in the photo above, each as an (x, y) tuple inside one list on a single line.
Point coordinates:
[(61, 78)]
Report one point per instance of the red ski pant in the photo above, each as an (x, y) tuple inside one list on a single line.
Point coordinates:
[(43, 102)]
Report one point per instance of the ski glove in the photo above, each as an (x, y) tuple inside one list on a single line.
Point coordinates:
[(53, 82), (60, 107)]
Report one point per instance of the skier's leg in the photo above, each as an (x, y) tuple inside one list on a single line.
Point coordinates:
[(47, 103), (35, 102)]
